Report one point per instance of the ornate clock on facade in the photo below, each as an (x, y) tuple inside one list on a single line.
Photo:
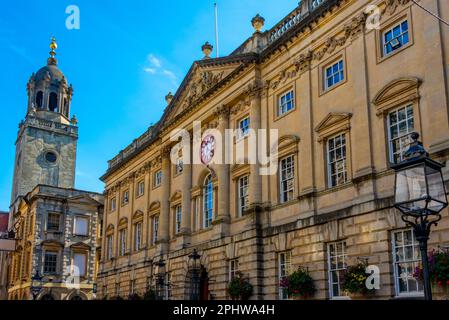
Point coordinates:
[(207, 149)]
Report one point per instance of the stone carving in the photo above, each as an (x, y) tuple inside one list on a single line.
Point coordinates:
[(205, 81), (355, 26), (302, 63), (283, 76), (222, 111), (392, 5)]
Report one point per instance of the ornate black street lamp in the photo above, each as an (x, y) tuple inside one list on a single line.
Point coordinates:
[(420, 195), (194, 268), (160, 278), (36, 284)]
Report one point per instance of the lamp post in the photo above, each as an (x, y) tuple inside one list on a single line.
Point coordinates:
[(36, 284), (194, 266), (420, 195), (160, 278)]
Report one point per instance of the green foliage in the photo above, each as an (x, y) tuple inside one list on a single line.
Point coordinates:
[(299, 283), (354, 279), (134, 297), (150, 295), (438, 267), (240, 288)]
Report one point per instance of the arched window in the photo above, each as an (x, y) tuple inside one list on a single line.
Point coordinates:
[(39, 99), (208, 199), (53, 102)]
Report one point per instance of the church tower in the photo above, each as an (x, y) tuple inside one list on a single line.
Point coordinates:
[(47, 138)]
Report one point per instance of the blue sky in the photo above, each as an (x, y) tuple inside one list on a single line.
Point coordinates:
[(124, 59)]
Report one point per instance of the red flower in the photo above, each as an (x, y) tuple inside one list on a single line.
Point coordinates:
[(439, 283), (447, 282)]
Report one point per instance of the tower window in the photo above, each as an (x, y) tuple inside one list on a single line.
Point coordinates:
[(51, 157), (53, 102), (39, 99)]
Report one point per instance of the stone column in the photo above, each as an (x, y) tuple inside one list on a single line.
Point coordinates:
[(223, 215), (186, 198), (255, 179), (164, 222)]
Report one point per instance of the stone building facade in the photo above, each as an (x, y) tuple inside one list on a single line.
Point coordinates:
[(57, 227), (343, 96)]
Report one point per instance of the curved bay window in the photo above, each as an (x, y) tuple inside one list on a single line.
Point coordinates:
[(208, 200)]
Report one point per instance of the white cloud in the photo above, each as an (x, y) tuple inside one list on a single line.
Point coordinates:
[(155, 62), (169, 74), (149, 70), (155, 67)]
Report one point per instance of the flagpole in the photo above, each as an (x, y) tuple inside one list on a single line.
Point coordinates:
[(216, 29)]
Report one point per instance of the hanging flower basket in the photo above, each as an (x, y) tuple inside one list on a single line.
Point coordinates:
[(239, 288), (354, 282), (438, 273), (299, 284)]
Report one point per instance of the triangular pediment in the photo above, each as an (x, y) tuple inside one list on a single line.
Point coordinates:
[(203, 78), (333, 123), (333, 119), (83, 199)]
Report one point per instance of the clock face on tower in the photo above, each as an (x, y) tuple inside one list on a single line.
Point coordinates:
[(207, 149)]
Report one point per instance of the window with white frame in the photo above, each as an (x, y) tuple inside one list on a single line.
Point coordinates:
[(287, 178), (243, 194), (53, 222), (79, 264), (395, 37), (155, 229), (140, 188), (284, 269), (132, 286), (138, 236), (406, 258), (286, 103), (244, 126), (400, 126), (208, 201), (113, 204), (125, 197), (336, 265), (178, 219), (334, 74), (110, 240), (233, 268), (50, 262), (336, 160), (179, 167), (122, 242), (81, 225), (157, 178)]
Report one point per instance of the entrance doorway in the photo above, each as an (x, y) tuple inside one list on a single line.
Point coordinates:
[(204, 285)]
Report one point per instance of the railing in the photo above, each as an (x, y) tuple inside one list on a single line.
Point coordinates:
[(290, 21), (136, 144), (294, 18)]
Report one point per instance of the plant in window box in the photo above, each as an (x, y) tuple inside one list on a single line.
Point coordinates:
[(299, 284), (239, 288), (438, 272), (354, 281)]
